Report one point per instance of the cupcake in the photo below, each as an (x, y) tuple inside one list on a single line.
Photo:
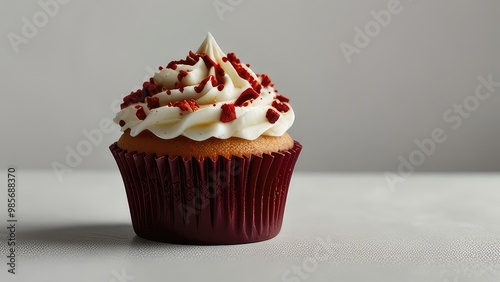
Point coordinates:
[(205, 155)]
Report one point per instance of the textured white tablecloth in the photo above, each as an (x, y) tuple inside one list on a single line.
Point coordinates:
[(337, 227)]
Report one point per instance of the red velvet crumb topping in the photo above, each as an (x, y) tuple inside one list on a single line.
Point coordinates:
[(153, 102), (282, 98), (186, 105), (265, 80), (248, 94), (219, 73), (228, 113), (181, 75), (272, 116), (243, 73), (190, 60), (140, 113), (232, 58), (208, 61), (202, 84), (149, 88), (282, 107)]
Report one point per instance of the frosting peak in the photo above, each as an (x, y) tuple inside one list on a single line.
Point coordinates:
[(209, 94), (210, 47)]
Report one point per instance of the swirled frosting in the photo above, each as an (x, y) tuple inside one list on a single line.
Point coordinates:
[(209, 94)]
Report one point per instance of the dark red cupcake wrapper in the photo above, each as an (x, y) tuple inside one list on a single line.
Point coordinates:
[(190, 201)]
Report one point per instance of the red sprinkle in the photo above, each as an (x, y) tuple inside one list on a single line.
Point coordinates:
[(202, 84), (150, 89), (272, 116), (214, 81), (182, 74), (282, 98), (220, 87), (256, 85), (265, 80), (132, 98), (153, 102), (248, 94), (140, 113), (191, 59), (280, 106), (228, 113), (219, 73), (242, 72), (128, 100), (208, 61), (232, 58), (122, 123), (169, 92)]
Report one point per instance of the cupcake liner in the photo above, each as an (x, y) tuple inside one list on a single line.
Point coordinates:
[(227, 201)]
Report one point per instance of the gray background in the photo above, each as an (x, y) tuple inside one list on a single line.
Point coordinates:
[(359, 116)]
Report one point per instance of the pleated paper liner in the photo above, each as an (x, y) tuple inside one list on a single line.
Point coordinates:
[(189, 201)]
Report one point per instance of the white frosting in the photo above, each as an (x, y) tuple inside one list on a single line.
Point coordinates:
[(168, 122)]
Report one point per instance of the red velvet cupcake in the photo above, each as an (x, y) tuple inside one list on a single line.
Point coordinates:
[(205, 157)]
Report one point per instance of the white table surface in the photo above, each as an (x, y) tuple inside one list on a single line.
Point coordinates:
[(337, 227)]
